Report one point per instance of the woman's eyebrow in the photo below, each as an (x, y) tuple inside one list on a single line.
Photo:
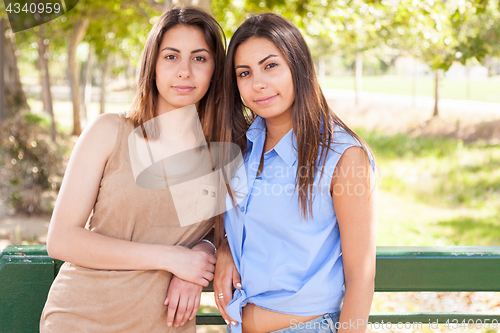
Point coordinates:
[(176, 50), (241, 66), (269, 56), (170, 48), (200, 50), (260, 62)]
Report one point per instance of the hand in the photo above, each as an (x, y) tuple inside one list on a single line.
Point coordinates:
[(226, 275), (183, 301), (196, 266)]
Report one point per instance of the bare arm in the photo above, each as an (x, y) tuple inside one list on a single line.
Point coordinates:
[(68, 239), (354, 199)]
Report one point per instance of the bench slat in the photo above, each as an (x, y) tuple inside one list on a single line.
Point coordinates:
[(447, 268)]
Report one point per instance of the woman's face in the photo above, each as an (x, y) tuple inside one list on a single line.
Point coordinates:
[(184, 68), (264, 79)]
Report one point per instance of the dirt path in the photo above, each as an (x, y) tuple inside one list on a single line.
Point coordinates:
[(465, 120)]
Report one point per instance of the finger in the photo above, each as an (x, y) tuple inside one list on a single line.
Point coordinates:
[(223, 298), (196, 306), (236, 279), (228, 296), (212, 259), (181, 310), (208, 276), (203, 282), (172, 307), (210, 268), (218, 302), (189, 310), (223, 311)]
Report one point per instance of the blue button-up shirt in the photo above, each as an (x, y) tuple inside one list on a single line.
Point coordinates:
[(287, 264)]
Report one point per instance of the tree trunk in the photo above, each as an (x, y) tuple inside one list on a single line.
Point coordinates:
[(2, 60), (15, 98), (105, 68), (358, 74), (75, 39), (87, 92), (43, 63), (436, 95)]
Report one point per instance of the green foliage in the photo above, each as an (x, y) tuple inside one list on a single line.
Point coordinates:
[(31, 163), (119, 27), (449, 192)]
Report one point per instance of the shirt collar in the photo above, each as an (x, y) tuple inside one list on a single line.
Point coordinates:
[(285, 148), (257, 129)]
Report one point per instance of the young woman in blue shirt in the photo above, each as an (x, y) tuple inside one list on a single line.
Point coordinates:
[(300, 247)]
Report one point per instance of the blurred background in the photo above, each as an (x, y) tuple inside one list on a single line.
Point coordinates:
[(419, 80)]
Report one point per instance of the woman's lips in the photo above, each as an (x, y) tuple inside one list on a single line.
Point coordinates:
[(266, 100), (183, 89)]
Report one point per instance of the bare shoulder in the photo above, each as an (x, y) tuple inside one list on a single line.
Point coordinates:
[(353, 166), (353, 157), (105, 124), (100, 134)]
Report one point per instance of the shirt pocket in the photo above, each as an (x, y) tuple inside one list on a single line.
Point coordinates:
[(198, 199)]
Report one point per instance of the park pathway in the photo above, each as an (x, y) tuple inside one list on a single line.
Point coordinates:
[(422, 103)]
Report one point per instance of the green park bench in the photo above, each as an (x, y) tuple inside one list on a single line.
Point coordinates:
[(26, 273)]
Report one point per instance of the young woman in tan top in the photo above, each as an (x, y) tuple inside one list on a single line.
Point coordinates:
[(119, 264)]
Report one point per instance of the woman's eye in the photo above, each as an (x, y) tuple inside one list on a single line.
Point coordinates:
[(271, 65), (243, 74), (199, 58), (170, 57)]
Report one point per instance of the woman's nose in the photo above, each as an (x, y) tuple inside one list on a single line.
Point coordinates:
[(184, 70), (259, 83)]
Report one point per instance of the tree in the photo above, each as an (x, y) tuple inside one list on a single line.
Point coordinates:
[(15, 99), (43, 61), (76, 37), (350, 26), (98, 16)]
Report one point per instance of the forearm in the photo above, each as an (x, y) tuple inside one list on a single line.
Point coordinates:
[(356, 307), (93, 250)]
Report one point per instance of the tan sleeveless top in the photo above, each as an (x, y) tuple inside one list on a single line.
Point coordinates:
[(106, 301)]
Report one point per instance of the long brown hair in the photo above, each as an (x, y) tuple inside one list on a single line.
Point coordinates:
[(146, 98), (144, 107), (313, 121)]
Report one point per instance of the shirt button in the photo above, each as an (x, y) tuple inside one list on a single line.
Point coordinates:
[(242, 209)]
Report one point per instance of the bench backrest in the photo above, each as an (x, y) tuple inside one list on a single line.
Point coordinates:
[(27, 272)]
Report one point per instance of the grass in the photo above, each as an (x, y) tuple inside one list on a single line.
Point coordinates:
[(434, 191), (437, 191), (485, 90)]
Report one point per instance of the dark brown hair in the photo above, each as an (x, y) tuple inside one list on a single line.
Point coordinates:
[(146, 98), (313, 121)]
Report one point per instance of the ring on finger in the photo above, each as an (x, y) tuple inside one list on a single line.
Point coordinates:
[(221, 295)]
